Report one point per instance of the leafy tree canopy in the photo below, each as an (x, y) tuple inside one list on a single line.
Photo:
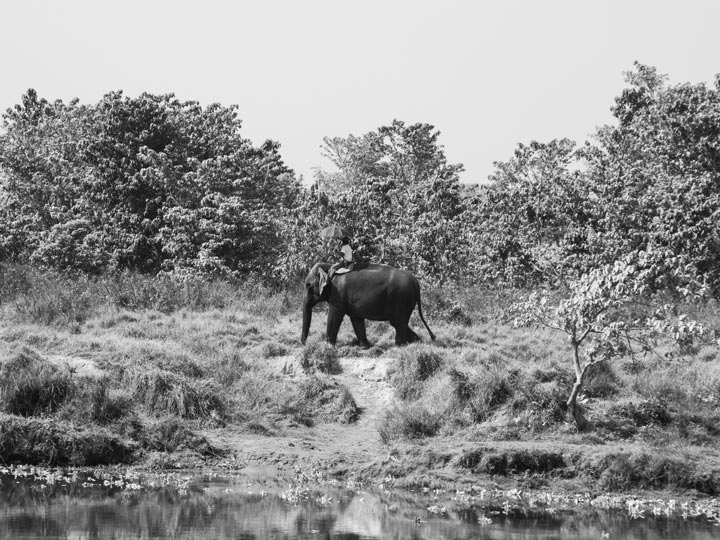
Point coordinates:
[(147, 183)]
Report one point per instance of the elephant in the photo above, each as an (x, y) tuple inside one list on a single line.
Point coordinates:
[(370, 291)]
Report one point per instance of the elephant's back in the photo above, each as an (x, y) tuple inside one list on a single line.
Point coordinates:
[(387, 278)]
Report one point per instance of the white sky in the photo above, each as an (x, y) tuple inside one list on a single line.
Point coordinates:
[(486, 74)]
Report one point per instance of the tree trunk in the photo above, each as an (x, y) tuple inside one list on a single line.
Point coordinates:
[(575, 409)]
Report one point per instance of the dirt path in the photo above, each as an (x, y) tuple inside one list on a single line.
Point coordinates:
[(324, 447)]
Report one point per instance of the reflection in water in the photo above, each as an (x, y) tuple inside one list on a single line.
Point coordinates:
[(236, 510)]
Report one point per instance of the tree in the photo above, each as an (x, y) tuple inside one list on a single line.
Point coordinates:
[(396, 191), (657, 172), (147, 183), (616, 310), (534, 222)]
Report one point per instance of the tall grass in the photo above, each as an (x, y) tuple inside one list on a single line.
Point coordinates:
[(179, 355), (166, 393), (31, 386)]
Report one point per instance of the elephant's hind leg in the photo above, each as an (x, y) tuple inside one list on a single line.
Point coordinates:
[(412, 336), (401, 334), (359, 327)]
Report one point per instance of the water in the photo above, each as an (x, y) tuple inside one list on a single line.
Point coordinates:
[(35, 504)]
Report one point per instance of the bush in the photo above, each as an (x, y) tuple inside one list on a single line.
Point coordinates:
[(31, 386)]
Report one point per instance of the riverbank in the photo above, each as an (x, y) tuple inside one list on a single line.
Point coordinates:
[(199, 376)]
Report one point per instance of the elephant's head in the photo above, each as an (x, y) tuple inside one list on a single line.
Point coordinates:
[(314, 284)]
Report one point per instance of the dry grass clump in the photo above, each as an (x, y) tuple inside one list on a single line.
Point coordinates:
[(271, 349), (96, 401), (32, 386), (320, 356), (416, 364), (306, 401), (478, 393), (408, 421), (172, 435), (328, 401), (166, 393)]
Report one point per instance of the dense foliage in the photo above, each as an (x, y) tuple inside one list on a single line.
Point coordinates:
[(157, 185), (150, 184)]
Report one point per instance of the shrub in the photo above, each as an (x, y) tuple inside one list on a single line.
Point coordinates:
[(30, 385)]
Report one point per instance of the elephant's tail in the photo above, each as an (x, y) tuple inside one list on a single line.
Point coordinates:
[(419, 304)]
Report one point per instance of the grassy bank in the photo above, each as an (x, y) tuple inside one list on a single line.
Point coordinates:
[(155, 372)]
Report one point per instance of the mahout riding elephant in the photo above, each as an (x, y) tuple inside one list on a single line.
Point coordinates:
[(370, 291)]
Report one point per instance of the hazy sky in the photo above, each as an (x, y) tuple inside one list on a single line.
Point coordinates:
[(486, 74)]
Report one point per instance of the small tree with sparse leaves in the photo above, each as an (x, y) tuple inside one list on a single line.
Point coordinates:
[(618, 310)]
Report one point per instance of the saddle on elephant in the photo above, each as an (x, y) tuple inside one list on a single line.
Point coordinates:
[(335, 269)]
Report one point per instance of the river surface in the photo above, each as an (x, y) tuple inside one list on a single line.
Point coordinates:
[(86, 505)]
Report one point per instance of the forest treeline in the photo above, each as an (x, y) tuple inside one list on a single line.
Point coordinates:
[(156, 185)]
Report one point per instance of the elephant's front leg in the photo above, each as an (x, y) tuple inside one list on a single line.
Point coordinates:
[(359, 327), (334, 320)]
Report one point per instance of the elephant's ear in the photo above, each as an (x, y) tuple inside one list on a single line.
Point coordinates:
[(322, 280)]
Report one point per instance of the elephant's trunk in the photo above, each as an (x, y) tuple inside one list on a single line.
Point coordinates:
[(307, 318)]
